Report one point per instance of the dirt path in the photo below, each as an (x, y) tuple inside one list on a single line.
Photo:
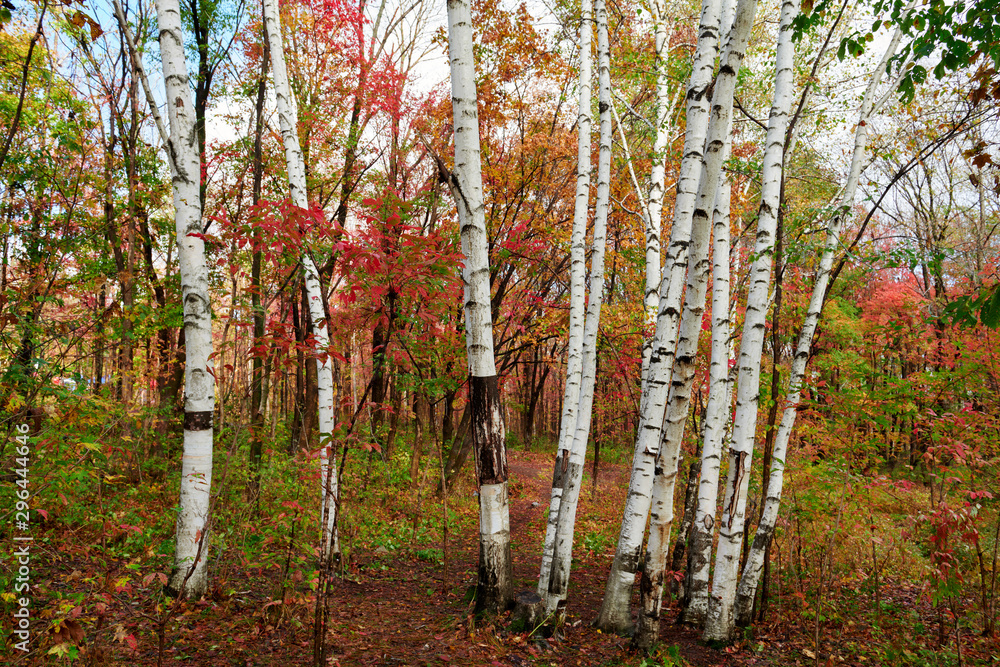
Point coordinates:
[(400, 616)]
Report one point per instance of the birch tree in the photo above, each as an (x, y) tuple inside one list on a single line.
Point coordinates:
[(295, 164), (653, 214), (494, 587), (573, 469), (755, 558), (716, 419), (719, 622), (614, 614), (190, 575), (577, 288)]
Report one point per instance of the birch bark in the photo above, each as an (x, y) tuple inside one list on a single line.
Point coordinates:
[(719, 622), (614, 614), (190, 575), (577, 287), (657, 177), (573, 475), (716, 419), (494, 588), (755, 559), (288, 122)]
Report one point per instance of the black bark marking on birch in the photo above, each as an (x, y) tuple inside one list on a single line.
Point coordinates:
[(630, 561), (710, 92), (198, 421), (494, 588), (740, 463), (558, 472), (487, 436)]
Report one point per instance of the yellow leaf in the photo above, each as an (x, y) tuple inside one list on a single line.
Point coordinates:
[(61, 649)]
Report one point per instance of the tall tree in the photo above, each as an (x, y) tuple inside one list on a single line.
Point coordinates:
[(288, 121), (190, 575), (758, 550), (682, 378), (495, 584)]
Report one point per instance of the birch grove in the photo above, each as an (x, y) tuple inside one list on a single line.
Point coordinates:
[(210, 217), (719, 623), (494, 586), (678, 402), (755, 559), (614, 614), (295, 164)]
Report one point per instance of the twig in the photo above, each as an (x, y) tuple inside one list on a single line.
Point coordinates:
[(141, 71)]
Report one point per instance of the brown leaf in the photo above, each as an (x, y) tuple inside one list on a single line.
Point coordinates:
[(75, 631)]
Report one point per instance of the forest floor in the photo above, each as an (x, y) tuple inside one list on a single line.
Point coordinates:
[(401, 605)]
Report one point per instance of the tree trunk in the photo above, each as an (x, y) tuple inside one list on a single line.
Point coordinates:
[(684, 534), (288, 120), (102, 301), (258, 385), (682, 378), (190, 576), (495, 585), (663, 29), (461, 446), (576, 459), (755, 560), (716, 418)]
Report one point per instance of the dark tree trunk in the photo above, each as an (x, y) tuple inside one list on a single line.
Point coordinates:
[(258, 386)]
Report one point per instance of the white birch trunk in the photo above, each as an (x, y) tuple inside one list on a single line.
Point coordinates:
[(653, 215), (614, 614), (755, 558), (716, 418), (288, 122), (577, 287), (190, 574), (573, 475), (494, 589), (719, 622), (662, 511)]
